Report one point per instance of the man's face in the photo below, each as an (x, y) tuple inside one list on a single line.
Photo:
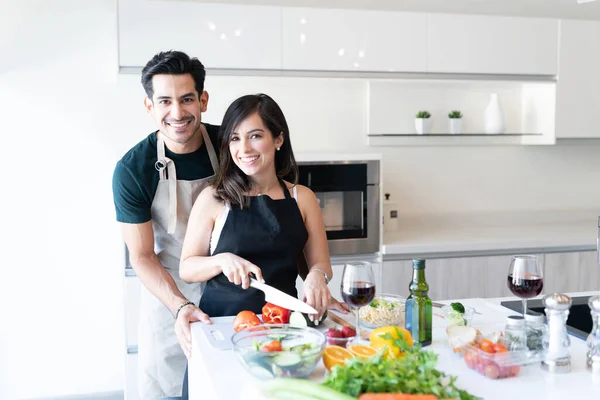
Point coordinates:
[(176, 107)]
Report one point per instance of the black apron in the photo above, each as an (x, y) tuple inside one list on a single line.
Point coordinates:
[(270, 234)]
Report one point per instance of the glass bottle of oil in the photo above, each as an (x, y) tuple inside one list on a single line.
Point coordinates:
[(418, 318)]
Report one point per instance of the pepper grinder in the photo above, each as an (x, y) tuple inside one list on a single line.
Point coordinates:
[(556, 342), (593, 340)]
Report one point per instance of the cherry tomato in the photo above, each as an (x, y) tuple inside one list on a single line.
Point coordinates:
[(471, 359), (273, 345), (245, 319), (500, 348), (492, 371), (272, 314), (487, 346)]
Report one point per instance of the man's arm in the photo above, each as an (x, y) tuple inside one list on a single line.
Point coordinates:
[(140, 242)]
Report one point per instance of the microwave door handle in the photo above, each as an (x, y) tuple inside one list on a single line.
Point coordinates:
[(309, 179), (362, 214)]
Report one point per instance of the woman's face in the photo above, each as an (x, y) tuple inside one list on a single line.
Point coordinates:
[(253, 147)]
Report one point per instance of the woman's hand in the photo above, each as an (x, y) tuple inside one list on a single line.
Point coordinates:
[(236, 269), (338, 305), (316, 292), (187, 314)]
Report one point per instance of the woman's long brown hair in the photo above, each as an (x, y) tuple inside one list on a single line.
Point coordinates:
[(232, 184)]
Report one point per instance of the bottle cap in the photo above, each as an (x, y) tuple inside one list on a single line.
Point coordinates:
[(418, 264), (539, 318), (515, 320)]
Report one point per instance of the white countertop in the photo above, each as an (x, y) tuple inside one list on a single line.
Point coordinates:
[(217, 374), (492, 234)]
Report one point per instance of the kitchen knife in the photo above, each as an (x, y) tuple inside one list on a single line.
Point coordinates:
[(282, 299)]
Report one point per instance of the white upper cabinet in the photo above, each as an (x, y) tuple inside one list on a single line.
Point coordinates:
[(492, 45), (221, 36), (578, 87), (354, 40)]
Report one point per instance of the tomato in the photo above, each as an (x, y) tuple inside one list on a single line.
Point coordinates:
[(245, 319), (471, 359), (492, 371), (273, 345), (499, 348), (272, 314), (487, 346)]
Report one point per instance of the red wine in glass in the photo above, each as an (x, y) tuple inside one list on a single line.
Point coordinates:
[(525, 278), (359, 294), (358, 287), (527, 287)]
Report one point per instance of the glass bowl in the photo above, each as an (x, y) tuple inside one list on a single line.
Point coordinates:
[(301, 350), (454, 318), (384, 310)]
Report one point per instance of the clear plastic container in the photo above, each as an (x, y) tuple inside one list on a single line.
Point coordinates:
[(499, 364)]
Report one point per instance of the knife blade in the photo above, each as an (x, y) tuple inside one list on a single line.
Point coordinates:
[(279, 298)]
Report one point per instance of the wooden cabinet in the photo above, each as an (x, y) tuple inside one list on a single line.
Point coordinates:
[(578, 86), (485, 277), (220, 35), (571, 272), (478, 44), (353, 40), (452, 278)]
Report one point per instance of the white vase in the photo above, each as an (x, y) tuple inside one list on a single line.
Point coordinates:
[(455, 125), (493, 120), (423, 125)]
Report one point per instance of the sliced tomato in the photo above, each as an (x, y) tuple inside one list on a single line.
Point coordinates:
[(273, 345), (272, 314), (245, 319)]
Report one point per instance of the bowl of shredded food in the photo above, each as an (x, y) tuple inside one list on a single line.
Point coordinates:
[(385, 309)]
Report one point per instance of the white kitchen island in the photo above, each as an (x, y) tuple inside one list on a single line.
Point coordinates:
[(217, 374)]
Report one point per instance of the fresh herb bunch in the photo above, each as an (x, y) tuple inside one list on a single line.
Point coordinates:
[(458, 307), (455, 114), (423, 114), (412, 373)]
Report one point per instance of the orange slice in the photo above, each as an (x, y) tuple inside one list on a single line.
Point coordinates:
[(335, 355), (362, 351)]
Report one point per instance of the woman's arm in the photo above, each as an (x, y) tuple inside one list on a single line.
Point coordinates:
[(196, 264), (315, 251)]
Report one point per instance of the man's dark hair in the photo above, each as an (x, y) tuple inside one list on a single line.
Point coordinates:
[(231, 184), (173, 63)]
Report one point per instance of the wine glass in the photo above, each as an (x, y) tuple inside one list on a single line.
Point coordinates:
[(525, 278), (358, 287)]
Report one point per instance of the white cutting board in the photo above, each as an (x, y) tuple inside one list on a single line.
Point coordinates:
[(219, 333)]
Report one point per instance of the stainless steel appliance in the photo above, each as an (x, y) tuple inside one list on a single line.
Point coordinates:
[(349, 195)]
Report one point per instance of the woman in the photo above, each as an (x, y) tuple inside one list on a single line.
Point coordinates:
[(255, 218)]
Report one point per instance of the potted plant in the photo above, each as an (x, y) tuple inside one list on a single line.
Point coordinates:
[(455, 122), (423, 122)]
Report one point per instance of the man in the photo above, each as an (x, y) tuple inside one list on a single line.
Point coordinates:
[(155, 185)]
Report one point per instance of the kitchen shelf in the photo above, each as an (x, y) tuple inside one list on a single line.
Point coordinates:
[(464, 139)]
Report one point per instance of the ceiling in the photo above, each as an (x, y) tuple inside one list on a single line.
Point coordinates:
[(536, 8)]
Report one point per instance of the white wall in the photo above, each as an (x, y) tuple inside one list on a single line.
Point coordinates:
[(67, 117)]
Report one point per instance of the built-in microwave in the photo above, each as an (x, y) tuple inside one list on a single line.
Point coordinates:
[(348, 193)]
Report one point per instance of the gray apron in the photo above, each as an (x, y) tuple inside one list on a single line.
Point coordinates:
[(161, 362)]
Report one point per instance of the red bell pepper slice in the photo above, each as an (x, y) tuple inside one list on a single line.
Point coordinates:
[(272, 314)]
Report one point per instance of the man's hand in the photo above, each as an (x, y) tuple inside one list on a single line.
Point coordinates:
[(187, 314)]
